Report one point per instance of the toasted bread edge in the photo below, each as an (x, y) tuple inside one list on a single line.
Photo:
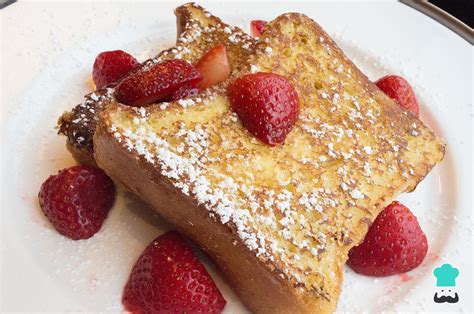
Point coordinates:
[(257, 287)]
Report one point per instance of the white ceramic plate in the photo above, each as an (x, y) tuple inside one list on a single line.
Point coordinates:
[(47, 55)]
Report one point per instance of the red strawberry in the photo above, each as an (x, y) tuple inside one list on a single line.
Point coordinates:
[(256, 27), (110, 66), (214, 66), (169, 278), (399, 89), (185, 92), (156, 83), (267, 104), (77, 200), (394, 244)]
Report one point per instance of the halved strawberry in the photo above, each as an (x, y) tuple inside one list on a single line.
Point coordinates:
[(169, 278), (110, 66), (256, 27), (394, 244), (156, 83), (214, 66), (266, 103), (77, 200), (399, 89)]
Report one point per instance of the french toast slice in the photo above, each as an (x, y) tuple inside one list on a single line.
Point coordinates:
[(277, 221), (197, 32)]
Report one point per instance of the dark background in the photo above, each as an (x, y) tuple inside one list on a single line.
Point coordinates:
[(461, 9)]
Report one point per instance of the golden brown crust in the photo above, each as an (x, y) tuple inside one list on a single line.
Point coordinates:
[(193, 22), (390, 109), (190, 12), (258, 288), (81, 155)]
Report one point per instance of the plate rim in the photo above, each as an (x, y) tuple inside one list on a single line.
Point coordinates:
[(442, 17)]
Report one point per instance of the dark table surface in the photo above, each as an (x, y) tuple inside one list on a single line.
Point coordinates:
[(461, 9)]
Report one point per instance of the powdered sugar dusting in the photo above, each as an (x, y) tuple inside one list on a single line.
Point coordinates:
[(265, 220), (80, 127)]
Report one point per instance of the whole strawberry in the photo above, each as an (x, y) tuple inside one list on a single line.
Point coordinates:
[(267, 104), (110, 66), (399, 89), (256, 27), (394, 244), (169, 278), (76, 200), (157, 83)]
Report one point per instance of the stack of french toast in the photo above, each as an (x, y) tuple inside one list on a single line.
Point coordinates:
[(278, 221)]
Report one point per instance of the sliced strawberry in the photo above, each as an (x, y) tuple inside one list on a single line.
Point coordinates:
[(256, 27), (214, 66), (267, 104), (157, 83), (394, 244), (110, 66), (76, 200), (169, 278), (185, 92), (399, 89)]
